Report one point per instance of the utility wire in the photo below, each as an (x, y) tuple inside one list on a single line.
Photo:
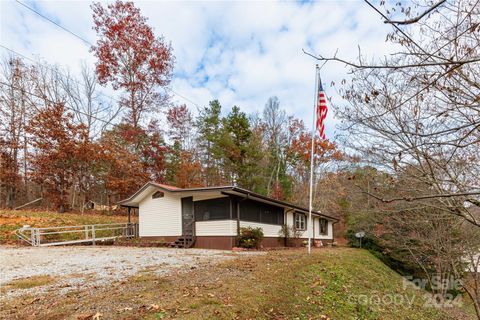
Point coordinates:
[(50, 20), (75, 80), (54, 70), (51, 101), (90, 44)]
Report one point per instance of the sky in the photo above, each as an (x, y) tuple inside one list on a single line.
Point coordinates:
[(238, 52)]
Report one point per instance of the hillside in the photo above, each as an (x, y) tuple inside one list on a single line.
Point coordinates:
[(339, 283)]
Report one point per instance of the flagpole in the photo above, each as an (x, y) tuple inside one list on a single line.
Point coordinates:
[(315, 102)]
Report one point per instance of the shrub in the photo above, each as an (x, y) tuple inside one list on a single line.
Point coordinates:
[(250, 237), (287, 233)]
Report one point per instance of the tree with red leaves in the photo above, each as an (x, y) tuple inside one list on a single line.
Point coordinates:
[(298, 155), (132, 156), (131, 58), (61, 150)]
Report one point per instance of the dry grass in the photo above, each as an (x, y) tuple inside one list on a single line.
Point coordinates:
[(30, 282), (278, 285)]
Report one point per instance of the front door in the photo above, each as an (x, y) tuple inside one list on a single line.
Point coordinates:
[(187, 216)]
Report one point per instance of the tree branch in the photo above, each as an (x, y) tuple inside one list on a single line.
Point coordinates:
[(433, 196), (393, 67), (417, 18)]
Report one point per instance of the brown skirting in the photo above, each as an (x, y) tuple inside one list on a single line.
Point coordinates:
[(228, 242), (215, 242)]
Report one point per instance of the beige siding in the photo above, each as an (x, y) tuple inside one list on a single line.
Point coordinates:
[(269, 230), (216, 228), (161, 216), (317, 229)]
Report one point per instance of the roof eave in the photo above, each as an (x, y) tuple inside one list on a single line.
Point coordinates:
[(283, 203)]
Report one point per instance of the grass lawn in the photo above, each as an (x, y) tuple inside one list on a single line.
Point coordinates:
[(10, 220), (329, 284)]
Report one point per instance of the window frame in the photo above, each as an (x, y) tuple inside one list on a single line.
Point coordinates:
[(325, 233), (158, 195), (296, 216)]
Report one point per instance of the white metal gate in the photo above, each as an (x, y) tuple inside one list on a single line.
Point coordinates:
[(56, 236)]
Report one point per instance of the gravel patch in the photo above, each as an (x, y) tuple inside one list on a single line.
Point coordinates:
[(77, 267)]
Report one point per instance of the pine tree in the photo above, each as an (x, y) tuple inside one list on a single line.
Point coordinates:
[(209, 127)]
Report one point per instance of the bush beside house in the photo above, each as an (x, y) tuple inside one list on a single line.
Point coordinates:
[(250, 238)]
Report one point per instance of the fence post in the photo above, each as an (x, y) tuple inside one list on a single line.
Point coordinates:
[(32, 236), (38, 237), (93, 233), (86, 232)]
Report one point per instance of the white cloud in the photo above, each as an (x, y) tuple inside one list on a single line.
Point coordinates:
[(238, 52)]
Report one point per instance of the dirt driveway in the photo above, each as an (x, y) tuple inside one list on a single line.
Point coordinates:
[(88, 267)]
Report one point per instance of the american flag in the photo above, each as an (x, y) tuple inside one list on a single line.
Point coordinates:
[(322, 110)]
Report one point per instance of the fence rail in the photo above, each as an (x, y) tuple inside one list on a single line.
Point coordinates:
[(56, 236)]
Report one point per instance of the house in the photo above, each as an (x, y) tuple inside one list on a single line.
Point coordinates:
[(211, 217)]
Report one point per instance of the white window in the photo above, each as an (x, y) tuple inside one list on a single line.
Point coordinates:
[(300, 221), (323, 226), (158, 194)]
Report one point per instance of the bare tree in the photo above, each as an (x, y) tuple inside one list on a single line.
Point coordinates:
[(275, 120), (420, 107), (90, 107), (13, 115)]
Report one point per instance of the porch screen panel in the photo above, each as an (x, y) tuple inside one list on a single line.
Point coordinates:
[(212, 209), (261, 212)]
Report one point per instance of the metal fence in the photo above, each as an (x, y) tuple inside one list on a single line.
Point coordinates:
[(53, 236)]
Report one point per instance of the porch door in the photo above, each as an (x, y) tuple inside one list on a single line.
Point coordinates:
[(187, 216)]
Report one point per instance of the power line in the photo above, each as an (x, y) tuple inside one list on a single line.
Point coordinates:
[(89, 43), (79, 82), (51, 101), (48, 19), (54, 70)]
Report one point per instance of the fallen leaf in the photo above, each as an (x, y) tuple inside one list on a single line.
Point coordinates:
[(153, 307), (97, 316), (126, 309)]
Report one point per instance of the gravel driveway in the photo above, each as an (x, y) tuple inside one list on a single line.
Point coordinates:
[(82, 267)]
